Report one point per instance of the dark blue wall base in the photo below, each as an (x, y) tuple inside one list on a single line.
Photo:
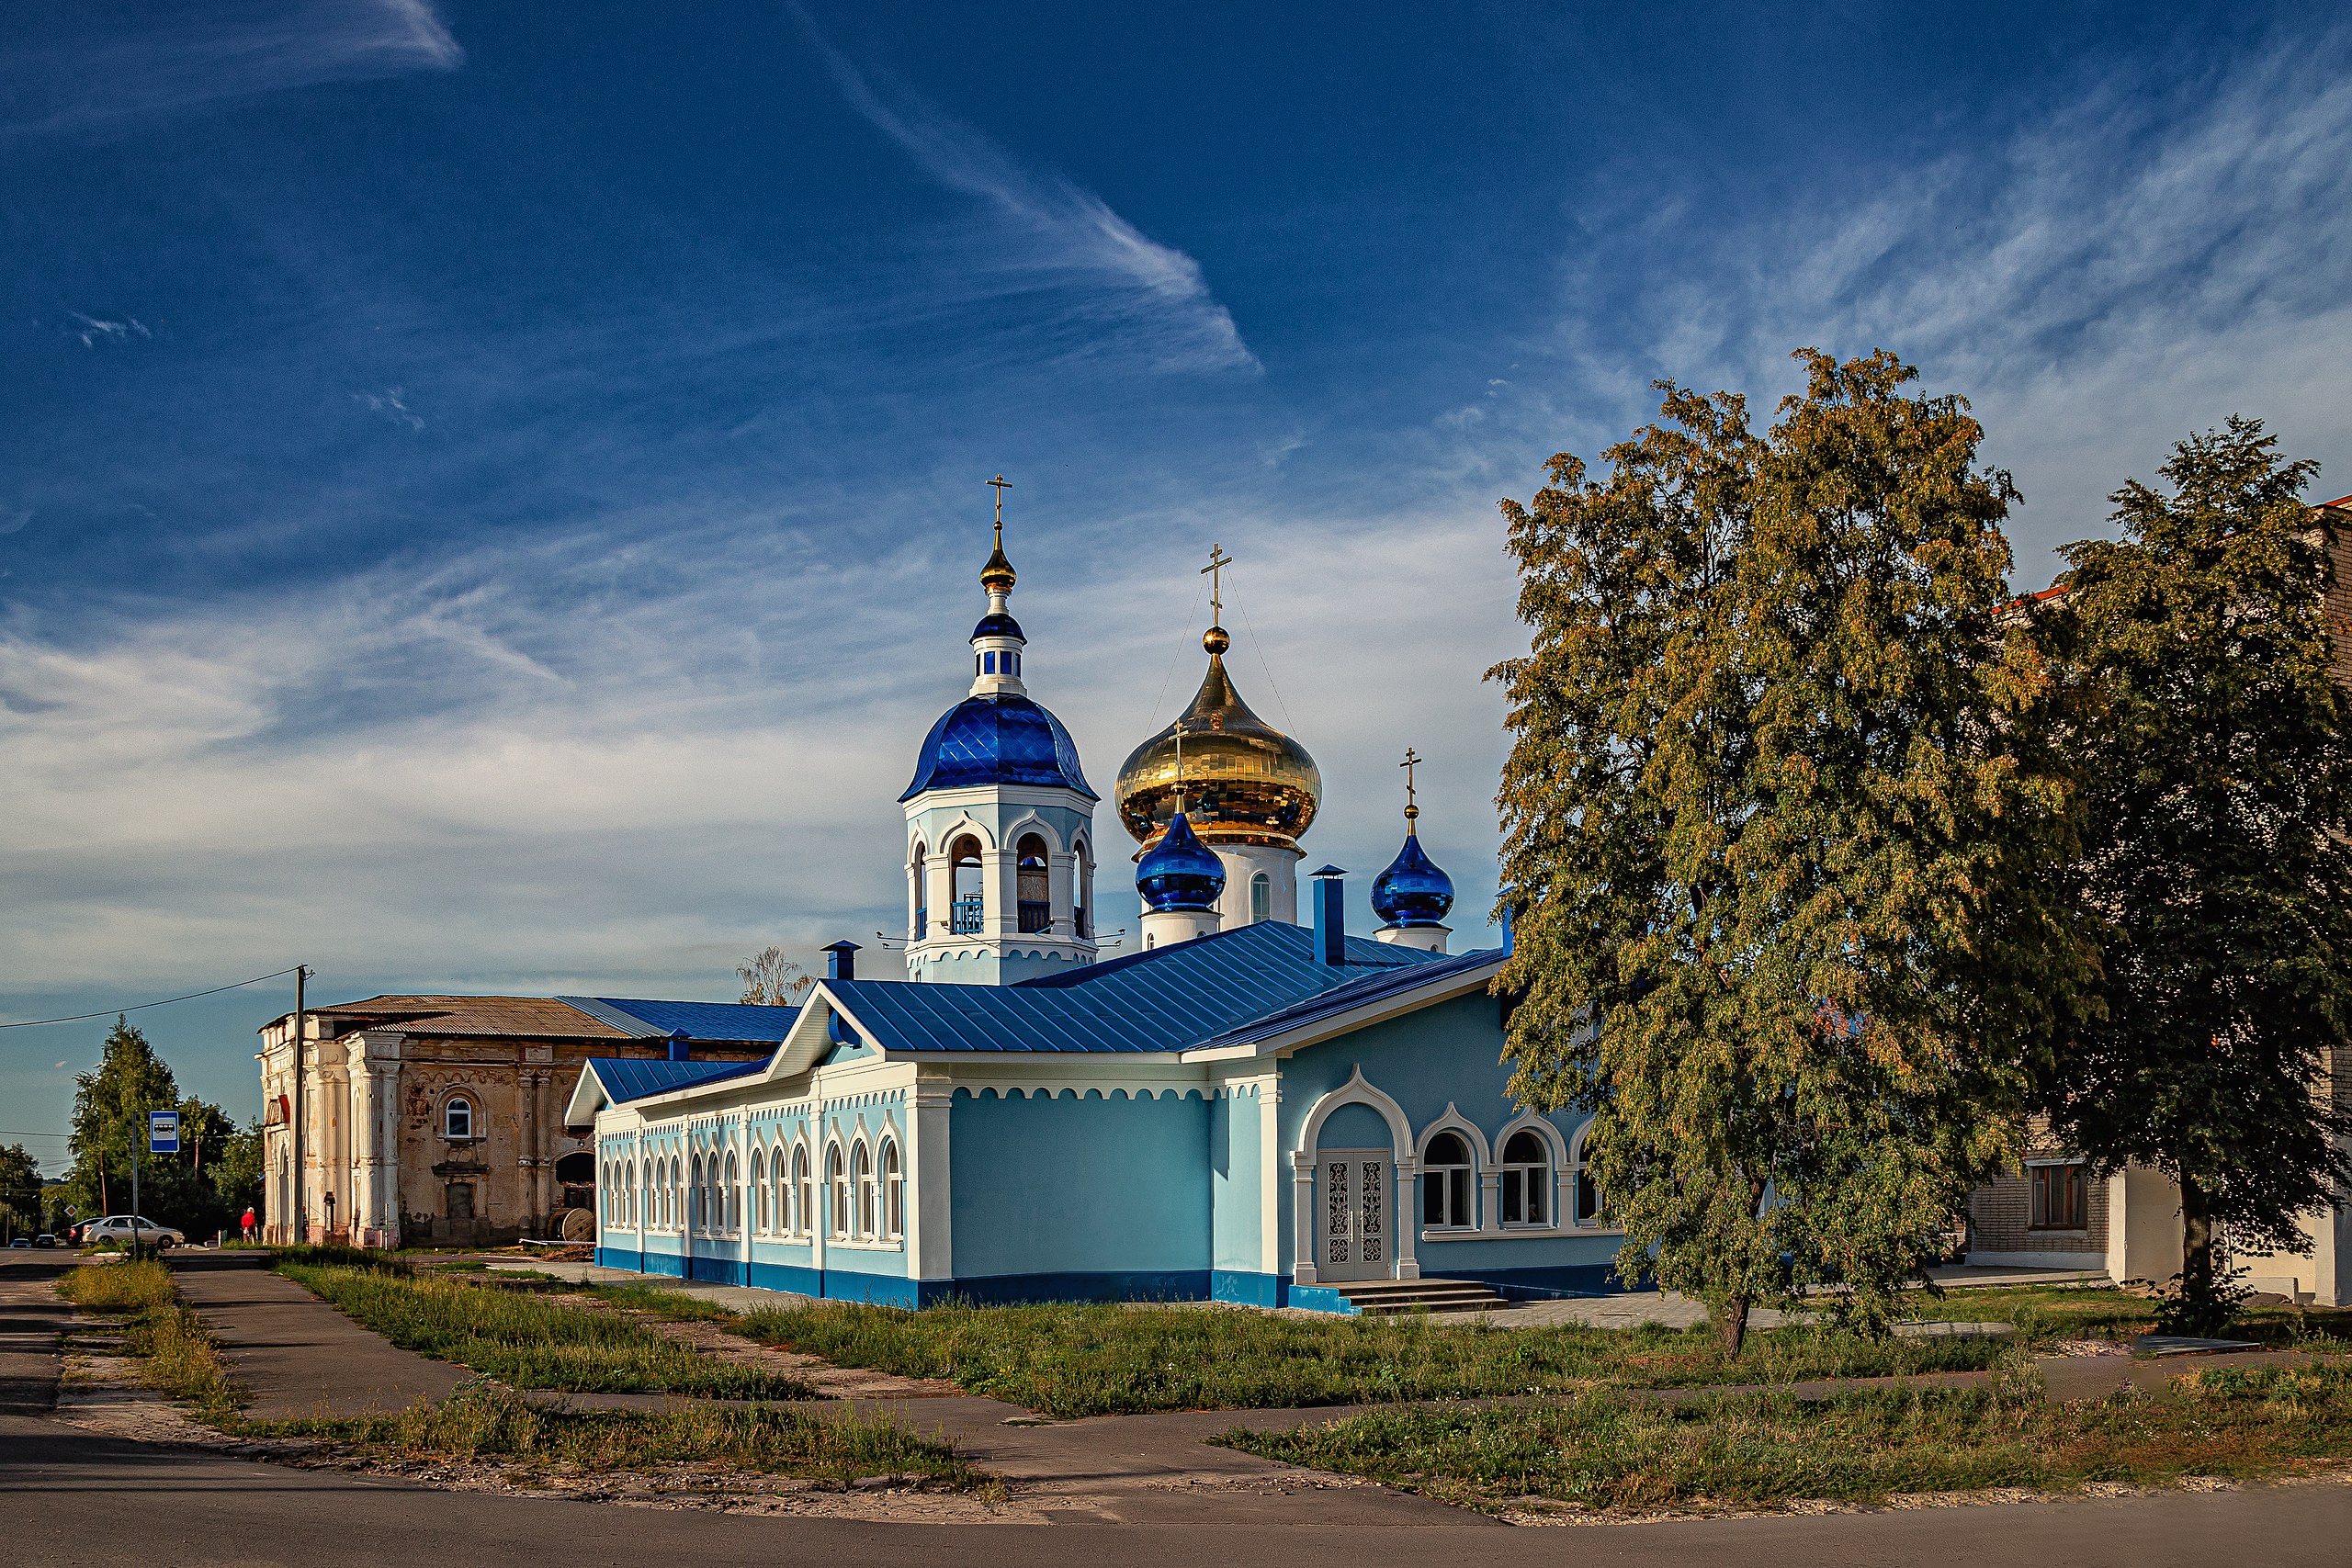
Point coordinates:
[(1541, 1284), (886, 1289)]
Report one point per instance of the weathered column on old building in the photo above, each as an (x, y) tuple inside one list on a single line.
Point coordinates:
[(366, 1125)]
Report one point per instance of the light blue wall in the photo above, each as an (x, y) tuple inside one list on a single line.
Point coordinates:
[(1065, 1185), (1355, 1127), (1236, 1180)]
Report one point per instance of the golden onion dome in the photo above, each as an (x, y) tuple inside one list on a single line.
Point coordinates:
[(1245, 782)]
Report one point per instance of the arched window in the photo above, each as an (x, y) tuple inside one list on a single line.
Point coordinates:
[(1262, 897), (734, 1194), (699, 1206), (458, 1118), (1445, 1183), (1588, 1207), (862, 1174), (1081, 890), (919, 871), (894, 1193), (837, 1191), (804, 1215), (629, 1193), (1527, 1180), (965, 912), (677, 1193), (760, 1192), (1035, 880)]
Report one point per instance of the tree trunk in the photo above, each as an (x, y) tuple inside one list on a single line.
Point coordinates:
[(2196, 1271), (1731, 1326)]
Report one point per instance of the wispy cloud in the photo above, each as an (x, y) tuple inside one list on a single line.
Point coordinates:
[(224, 49), (2166, 249), (390, 404), (1075, 234), (92, 331)]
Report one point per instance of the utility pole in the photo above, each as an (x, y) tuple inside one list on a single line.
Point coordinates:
[(301, 1223)]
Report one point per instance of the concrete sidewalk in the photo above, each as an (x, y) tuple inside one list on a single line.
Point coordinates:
[(296, 1356)]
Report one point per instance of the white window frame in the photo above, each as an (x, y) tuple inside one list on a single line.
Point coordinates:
[(450, 1110), (1536, 1180), (894, 1192)]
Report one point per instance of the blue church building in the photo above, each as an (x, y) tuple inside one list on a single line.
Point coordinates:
[(1250, 1107)]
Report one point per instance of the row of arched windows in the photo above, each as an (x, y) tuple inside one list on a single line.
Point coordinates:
[(966, 887), (864, 1197), (1523, 1193)]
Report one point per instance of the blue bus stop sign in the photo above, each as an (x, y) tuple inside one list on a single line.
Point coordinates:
[(163, 1132)]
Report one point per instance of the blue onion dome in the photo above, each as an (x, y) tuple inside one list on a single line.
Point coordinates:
[(998, 737), (1180, 872), (1412, 891), (997, 624)]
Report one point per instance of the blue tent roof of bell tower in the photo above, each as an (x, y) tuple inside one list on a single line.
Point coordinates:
[(998, 737)]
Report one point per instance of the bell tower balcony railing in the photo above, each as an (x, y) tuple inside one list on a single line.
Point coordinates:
[(1036, 915), (964, 918)]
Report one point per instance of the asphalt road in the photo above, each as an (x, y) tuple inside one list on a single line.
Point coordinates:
[(68, 1496)]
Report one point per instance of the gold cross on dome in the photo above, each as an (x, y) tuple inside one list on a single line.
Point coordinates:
[(1213, 571), (1412, 760), (1002, 484)]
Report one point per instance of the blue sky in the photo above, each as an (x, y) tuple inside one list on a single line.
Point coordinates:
[(490, 495)]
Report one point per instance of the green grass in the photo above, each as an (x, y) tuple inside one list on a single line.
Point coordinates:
[(1098, 1359), (174, 1353), (675, 1304), (529, 1343), (484, 1422), (2045, 1315), (1610, 1451)]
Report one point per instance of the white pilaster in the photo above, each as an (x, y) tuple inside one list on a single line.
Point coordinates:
[(1405, 1215), (1302, 1209), (930, 1228)]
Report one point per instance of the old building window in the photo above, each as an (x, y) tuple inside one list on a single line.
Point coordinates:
[(2057, 1196), (894, 1193), (1527, 1180), (1586, 1192), (458, 1118), (837, 1192), (862, 1174), (1445, 1183), (804, 1215)]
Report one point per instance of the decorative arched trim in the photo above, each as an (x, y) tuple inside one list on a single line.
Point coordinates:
[(1453, 1120), (965, 823), (1356, 1092), (1554, 1139), (1033, 823)]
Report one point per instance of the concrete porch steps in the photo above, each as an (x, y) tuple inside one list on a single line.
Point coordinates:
[(1377, 1298)]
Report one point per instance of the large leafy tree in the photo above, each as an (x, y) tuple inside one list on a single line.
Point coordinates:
[(2218, 797), (1778, 857), (19, 1193), (110, 1106)]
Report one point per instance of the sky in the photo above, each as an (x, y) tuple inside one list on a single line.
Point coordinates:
[(491, 496)]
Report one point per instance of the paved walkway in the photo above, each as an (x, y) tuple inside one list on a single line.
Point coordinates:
[(296, 1356)]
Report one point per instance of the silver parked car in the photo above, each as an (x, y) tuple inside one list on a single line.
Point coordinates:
[(124, 1229)]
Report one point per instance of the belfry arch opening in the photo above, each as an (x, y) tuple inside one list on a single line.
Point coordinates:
[(1034, 894), (967, 911)]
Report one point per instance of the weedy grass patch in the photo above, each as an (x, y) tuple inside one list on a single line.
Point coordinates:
[(529, 1343), (1613, 1451), (1100, 1359), (484, 1422), (174, 1353), (678, 1305)]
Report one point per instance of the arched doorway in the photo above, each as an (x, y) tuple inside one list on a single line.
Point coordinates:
[(1355, 1209)]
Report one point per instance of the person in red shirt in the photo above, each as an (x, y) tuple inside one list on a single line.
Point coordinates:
[(248, 1224)]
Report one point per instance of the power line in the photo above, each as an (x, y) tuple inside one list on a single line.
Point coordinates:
[(7, 1132), (142, 1006)]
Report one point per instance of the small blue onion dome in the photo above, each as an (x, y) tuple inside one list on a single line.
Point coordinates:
[(1412, 891), (1180, 872), (997, 624), (997, 738)]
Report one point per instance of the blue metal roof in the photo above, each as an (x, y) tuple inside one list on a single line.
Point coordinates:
[(723, 1022), (625, 1079), (1165, 999), (997, 738), (1372, 988)]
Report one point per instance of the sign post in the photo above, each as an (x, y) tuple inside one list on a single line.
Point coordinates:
[(162, 1138)]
